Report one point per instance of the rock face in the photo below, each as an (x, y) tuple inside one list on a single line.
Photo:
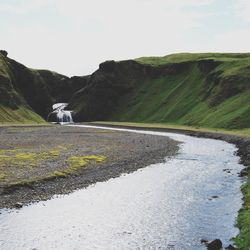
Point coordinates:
[(34, 90), (52, 117), (104, 88)]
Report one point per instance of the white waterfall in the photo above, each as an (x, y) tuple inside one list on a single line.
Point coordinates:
[(62, 116)]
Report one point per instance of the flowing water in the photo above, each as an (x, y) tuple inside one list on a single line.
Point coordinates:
[(62, 116), (170, 205)]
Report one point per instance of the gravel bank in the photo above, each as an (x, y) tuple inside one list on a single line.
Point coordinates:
[(36, 180)]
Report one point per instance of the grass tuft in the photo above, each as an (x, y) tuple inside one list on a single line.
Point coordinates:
[(242, 241)]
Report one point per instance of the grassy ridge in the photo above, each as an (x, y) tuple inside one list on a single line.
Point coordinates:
[(184, 57), (190, 97), (21, 115)]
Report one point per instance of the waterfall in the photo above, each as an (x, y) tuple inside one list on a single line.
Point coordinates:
[(60, 115)]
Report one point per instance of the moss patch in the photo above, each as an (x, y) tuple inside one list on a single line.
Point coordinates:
[(77, 162), (2, 176), (24, 159), (21, 115), (20, 161)]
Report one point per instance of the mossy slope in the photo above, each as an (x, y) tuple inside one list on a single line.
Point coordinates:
[(206, 90)]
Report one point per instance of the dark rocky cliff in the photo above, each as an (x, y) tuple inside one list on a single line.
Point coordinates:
[(33, 90)]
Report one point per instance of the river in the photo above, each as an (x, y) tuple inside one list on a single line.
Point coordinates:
[(170, 205)]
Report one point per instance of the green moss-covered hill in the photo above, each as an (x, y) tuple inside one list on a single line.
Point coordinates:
[(207, 90), (27, 95)]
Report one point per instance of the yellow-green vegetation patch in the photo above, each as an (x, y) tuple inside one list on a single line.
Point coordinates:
[(54, 152), (2, 176), (77, 162), (24, 128), (23, 158), (22, 115)]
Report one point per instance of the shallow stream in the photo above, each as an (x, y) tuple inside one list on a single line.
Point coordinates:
[(170, 205)]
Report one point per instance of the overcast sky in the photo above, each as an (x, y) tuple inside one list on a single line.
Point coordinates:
[(73, 36)]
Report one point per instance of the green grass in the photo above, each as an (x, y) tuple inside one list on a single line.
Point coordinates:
[(209, 90), (190, 98), (243, 222), (21, 115), (13, 107), (184, 57), (25, 92)]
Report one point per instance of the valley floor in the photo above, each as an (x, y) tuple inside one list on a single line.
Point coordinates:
[(37, 162)]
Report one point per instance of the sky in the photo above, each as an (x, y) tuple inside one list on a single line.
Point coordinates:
[(73, 37)]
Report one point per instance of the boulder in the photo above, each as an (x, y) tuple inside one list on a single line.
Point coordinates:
[(18, 205), (230, 247), (243, 172), (214, 244)]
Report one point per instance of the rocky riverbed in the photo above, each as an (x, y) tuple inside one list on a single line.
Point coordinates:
[(37, 162)]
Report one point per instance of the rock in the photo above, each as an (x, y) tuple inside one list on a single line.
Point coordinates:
[(215, 196), (18, 205), (4, 53), (214, 244), (203, 241), (243, 172), (230, 247)]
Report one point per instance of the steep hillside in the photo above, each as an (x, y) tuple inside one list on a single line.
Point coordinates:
[(27, 95), (207, 90)]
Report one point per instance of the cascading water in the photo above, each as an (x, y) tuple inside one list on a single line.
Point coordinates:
[(60, 115)]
